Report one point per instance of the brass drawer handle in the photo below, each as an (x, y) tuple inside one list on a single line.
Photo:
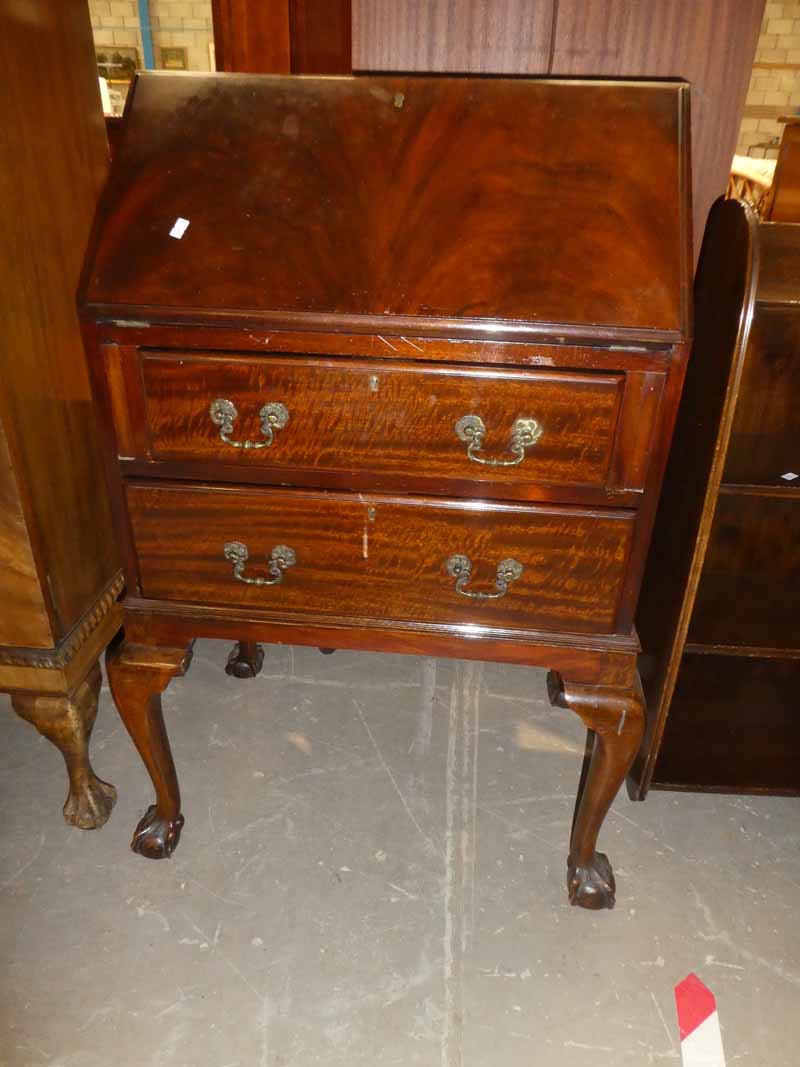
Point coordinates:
[(524, 434), (280, 558), (460, 568), (223, 414)]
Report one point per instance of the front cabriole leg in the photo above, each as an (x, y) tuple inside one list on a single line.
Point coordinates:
[(615, 717), (138, 674)]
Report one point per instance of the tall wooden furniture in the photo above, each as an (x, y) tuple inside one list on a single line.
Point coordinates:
[(369, 394), (710, 43), (282, 36), (59, 575), (718, 613), (783, 203)]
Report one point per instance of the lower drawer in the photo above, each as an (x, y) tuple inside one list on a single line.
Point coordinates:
[(291, 552)]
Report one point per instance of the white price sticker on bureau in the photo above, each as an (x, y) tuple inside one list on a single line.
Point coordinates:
[(179, 228)]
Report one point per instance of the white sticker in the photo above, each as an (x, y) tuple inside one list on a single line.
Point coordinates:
[(179, 228), (790, 476)]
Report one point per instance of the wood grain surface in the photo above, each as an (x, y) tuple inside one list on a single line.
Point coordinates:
[(784, 194), (765, 438), (710, 43), (733, 727), (384, 417), (373, 557), (718, 612), (252, 36), (505, 36), (725, 293), (375, 202), (320, 36), (51, 176), (23, 619), (750, 586)]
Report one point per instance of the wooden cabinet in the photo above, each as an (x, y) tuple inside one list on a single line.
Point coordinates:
[(710, 43), (59, 573), (377, 396), (718, 612)]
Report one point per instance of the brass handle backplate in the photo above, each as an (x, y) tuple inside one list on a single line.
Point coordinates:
[(280, 558), (223, 414), (472, 430), (460, 568)]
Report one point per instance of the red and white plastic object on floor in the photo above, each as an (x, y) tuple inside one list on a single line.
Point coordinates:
[(701, 1039)]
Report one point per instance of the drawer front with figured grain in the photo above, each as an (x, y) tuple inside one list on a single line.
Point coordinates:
[(496, 427), (291, 553)]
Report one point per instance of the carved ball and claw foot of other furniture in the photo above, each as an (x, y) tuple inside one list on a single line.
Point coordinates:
[(67, 722), (615, 720), (138, 675), (246, 660)]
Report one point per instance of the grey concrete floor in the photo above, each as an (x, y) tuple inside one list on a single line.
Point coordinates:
[(372, 873)]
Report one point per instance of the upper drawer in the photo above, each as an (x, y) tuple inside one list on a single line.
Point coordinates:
[(500, 427)]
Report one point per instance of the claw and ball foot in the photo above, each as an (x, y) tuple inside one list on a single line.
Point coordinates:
[(615, 720), (591, 887), (138, 675), (67, 722), (246, 660), (155, 837)]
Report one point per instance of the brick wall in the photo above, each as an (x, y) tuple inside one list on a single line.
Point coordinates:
[(174, 23), (775, 82)]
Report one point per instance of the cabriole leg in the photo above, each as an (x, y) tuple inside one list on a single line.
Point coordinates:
[(67, 722), (616, 719), (138, 674)]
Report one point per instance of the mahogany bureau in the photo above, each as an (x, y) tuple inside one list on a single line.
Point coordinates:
[(403, 379)]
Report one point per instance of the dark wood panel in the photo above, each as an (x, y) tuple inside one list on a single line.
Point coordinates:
[(784, 195), (750, 586), (780, 271), (50, 177), (321, 36), (23, 619), (388, 418), (505, 36), (252, 36), (765, 442), (595, 660), (446, 198), (710, 43), (734, 725), (726, 281), (375, 557), (239, 336)]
